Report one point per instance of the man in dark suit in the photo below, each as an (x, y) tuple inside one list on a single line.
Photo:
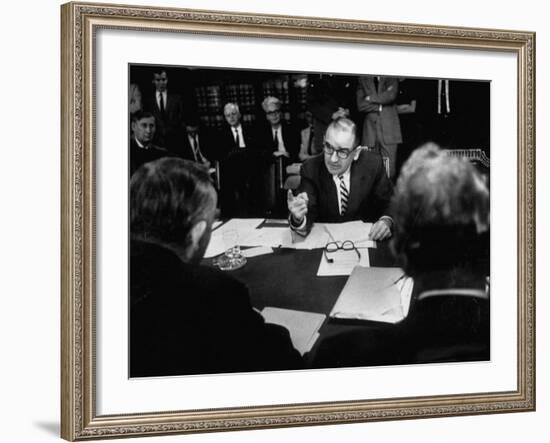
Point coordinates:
[(168, 109), (243, 164), (186, 318), (376, 98), (278, 136), (142, 148), (344, 183), (197, 144), (282, 140)]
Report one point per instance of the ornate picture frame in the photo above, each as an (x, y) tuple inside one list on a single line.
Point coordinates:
[(80, 243)]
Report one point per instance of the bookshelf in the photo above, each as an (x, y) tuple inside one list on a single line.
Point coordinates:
[(248, 89)]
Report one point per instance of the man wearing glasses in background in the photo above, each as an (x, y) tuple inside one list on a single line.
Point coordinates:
[(344, 183)]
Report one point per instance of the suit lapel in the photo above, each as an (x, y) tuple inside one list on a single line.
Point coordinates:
[(356, 186), (329, 188)]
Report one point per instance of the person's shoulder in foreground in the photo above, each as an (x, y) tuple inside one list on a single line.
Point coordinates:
[(441, 214), (186, 318)]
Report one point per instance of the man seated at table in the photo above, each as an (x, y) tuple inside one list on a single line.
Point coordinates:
[(441, 240), (344, 183), (142, 148), (186, 318)]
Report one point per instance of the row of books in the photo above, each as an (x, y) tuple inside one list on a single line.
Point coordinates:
[(211, 99)]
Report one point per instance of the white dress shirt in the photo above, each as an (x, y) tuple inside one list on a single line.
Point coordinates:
[(164, 97), (239, 130), (276, 132)]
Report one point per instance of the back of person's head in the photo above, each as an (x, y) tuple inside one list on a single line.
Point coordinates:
[(173, 203), (440, 208)]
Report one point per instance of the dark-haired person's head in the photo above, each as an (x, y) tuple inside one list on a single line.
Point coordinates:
[(440, 209), (173, 203), (143, 127), (160, 79)]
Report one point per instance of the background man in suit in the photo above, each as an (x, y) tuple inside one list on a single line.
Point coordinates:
[(282, 140), (280, 136), (142, 149), (376, 97), (186, 318), (242, 166), (197, 145), (345, 183), (167, 107), (329, 97), (307, 135)]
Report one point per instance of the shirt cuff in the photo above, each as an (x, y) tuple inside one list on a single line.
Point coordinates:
[(388, 220), (301, 229)]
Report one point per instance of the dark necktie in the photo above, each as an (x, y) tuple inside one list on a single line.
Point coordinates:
[(275, 141), (161, 102), (376, 83), (237, 141), (344, 195)]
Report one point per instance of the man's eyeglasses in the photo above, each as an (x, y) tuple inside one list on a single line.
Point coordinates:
[(334, 246), (341, 153)]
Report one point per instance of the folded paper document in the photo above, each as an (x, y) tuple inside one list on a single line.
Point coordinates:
[(302, 326), (377, 294)]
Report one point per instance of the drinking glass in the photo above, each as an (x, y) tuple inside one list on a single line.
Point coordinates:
[(232, 258)]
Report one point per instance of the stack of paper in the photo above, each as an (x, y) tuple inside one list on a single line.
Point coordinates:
[(378, 294), (302, 326)]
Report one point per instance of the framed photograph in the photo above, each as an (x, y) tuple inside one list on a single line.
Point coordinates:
[(300, 336)]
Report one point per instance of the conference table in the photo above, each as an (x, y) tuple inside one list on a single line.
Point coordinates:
[(287, 278)]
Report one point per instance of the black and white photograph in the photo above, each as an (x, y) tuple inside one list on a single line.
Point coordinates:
[(283, 221), (289, 221)]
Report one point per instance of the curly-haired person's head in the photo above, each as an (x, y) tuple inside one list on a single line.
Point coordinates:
[(440, 208)]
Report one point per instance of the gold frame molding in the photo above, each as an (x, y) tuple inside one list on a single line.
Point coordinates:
[(79, 22)]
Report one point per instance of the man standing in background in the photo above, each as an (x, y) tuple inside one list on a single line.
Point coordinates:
[(376, 97)]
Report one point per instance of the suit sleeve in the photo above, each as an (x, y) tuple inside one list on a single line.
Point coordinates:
[(389, 94), (309, 184), (362, 104), (382, 191), (294, 137)]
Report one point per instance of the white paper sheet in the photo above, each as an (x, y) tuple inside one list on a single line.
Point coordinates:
[(317, 238), (356, 231), (377, 294), (302, 326), (243, 226), (272, 237), (343, 263)]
